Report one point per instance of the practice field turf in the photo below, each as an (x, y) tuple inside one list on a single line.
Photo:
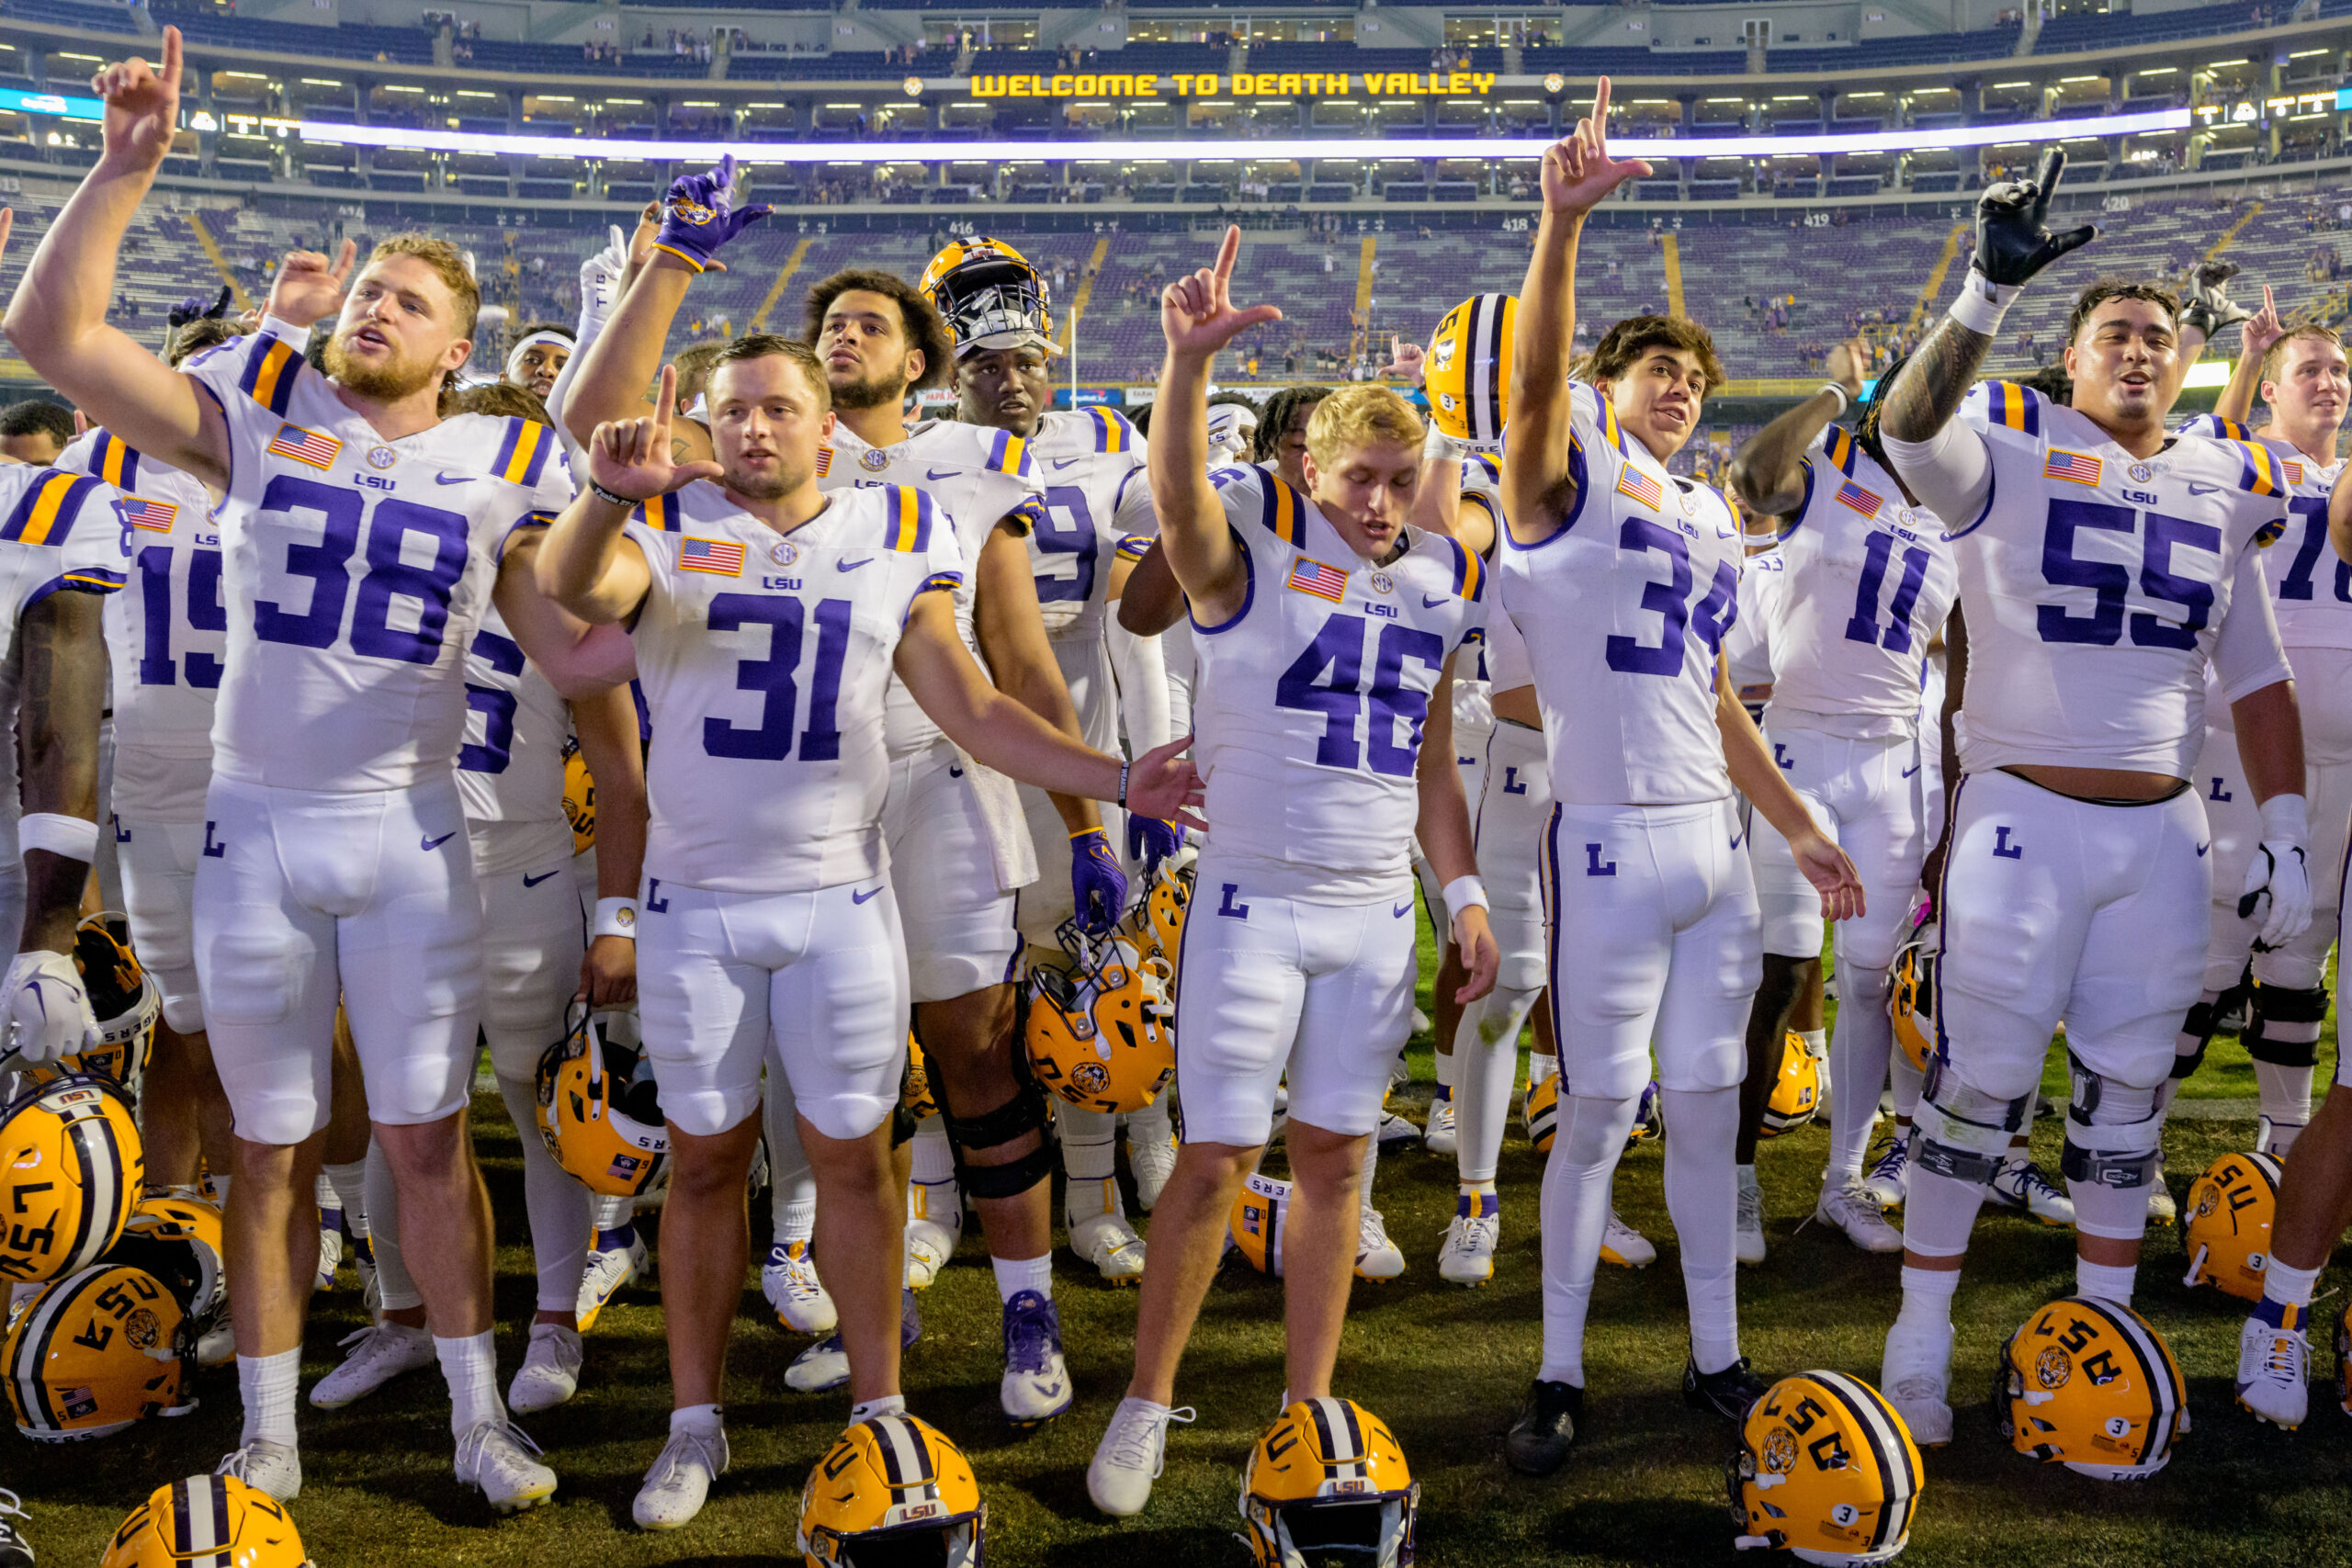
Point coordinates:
[(1444, 1366)]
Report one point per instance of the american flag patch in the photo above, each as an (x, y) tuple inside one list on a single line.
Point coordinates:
[(2075, 468), (1631, 481), (1311, 576), (824, 461), (141, 512), (305, 446), (720, 557), (2294, 470), (1867, 503)]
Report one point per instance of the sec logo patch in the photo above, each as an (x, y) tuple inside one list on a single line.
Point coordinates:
[(874, 462), (783, 552), (381, 457)]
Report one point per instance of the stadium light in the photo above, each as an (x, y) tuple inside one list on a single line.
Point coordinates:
[(749, 153)]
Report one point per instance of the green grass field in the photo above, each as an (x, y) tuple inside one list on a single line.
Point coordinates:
[(1444, 1366)]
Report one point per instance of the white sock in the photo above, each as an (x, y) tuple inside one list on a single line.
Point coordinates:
[(1928, 1294), (1089, 1141), (2291, 1286), (1859, 1053), (217, 1188), (349, 1184), (1014, 1275), (1443, 1062), (1701, 1204), (1154, 1121), (1574, 1216), (609, 1214), (2106, 1281), (1371, 1164), (790, 1182), (394, 1287), (555, 1206), (1816, 1042), (1747, 1183), (2285, 1094), (704, 1419), (268, 1385), (470, 1365), (796, 1221), (1541, 1064), (888, 1404), (325, 1194), (1486, 1058)]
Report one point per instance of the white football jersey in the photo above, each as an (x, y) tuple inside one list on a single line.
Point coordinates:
[(356, 571), (2096, 586), (2310, 585), (1866, 583), (976, 476), (165, 637), (510, 767), (1623, 610), (764, 659), (1748, 647), (1086, 459), (1309, 704)]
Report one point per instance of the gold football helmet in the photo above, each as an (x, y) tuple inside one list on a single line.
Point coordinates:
[(1329, 1475), (2225, 1225), (600, 1113), (1255, 1228), (891, 1490), (1100, 1033), (179, 1241), (1796, 1093), (2089, 1385), (70, 1170), (991, 296), (1468, 374), (1542, 1111), (1826, 1470), (1157, 924), (915, 1093), (95, 1352), (207, 1521), (579, 798), (1911, 994), (123, 999)]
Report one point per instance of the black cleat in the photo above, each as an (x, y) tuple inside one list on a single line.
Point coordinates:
[(1539, 1441), (1730, 1394), (16, 1552)]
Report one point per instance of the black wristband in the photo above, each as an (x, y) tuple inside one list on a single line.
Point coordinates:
[(601, 493)]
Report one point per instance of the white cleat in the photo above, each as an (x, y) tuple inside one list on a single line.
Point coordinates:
[(1747, 1225), (1109, 1242), (1127, 1461), (2271, 1381), (1441, 1136), (1036, 1386), (931, 1240), (1394, 1128), (1626, 1247), (496, 1460), (1377, 1258), (1916, 1379), (1468, 1255), (789, 1280), (380, 1354), (550, 1370), (1853, 1209), (1152, 1160), (274, 1468), (606, 1272), (2275, 1138), (1888, 1180), (330, 1247), (680, 1481), (2019, 1184), (2161, 1208), (217, 1346)]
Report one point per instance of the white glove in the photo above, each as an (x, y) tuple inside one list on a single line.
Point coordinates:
[(600, 277), (2279, 871), (44, 997)]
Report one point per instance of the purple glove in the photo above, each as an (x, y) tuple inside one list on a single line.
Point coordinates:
[(699, 215), (1097, 884), (1151, 841)]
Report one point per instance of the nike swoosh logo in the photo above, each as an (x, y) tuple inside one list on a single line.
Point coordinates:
[(1911, 770), (2201, 849), (1403, 910), (1066, 462), (453, 478), (851, 565), (2202, 490), (1735, 839), (432, 844), (936, 474), (1429, 602), (955, 772), (535, 881), (862, 897)]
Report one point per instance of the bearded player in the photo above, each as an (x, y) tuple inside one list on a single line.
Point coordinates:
[(1621, 578), (2117, 568)]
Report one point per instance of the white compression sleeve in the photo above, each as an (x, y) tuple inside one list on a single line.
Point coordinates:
[(1951, 471), (1142, 674)]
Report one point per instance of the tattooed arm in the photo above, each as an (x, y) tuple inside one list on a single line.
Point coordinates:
[(1945, 464), (56, 724)]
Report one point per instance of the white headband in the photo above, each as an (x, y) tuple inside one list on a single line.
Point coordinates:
[(514, 354)]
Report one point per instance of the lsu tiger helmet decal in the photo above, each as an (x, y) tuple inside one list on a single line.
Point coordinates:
[(95, 1352), (1101, 1034), (207, 1521), (70, 1169), (916, 1097), (892, 1490), (1825, 1469), (1796, 1093), (579, 798), (1328, 1476), (2088, 1384), (991, 296), (2225, 1225), (1911, 994), (600, 1113), (1468, 373)]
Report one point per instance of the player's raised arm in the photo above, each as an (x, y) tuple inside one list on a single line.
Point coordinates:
[(586, 563), (1766, 474), (2261, 329), (1198, 316), (58, 317), (1577, 176)]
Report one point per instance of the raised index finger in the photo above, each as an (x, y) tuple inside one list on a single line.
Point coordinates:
[(1228, 252), (2053, 167), (661, 404), (171, 72), (343, 261), (1601, 113)]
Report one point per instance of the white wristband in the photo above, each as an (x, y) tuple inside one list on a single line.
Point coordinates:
[(616, 917), (73, 836), (1464, 893), (1437, 447), (1983, 303), (286, 332), (1844, 402), (2286, 818)]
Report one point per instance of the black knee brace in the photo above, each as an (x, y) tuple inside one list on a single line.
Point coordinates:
[(2198, 1026), (1024, 1112), (2285, 1032)]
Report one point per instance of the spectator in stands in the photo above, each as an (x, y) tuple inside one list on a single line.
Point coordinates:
[(35, 431)]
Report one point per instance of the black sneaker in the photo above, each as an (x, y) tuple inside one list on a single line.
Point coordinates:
[(1730, 1394), (16, 1552), (1546, 1428)]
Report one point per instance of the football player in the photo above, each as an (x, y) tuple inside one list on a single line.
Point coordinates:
[(2071, 881), (1654, 922), (1327, 631), (537, 357), (768, 617), (360, 538), (1865, 583)]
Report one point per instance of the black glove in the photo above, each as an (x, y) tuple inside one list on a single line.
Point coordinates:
[(2013, 238), (2204, 306)]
